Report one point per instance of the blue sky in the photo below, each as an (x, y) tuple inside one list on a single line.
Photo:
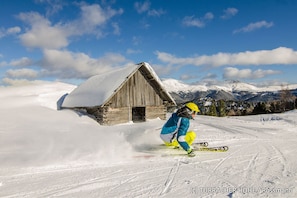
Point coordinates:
[(195, 41)]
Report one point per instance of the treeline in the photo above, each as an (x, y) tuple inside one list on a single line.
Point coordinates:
[(221, 108)]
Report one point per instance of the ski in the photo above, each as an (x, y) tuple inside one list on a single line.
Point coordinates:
[(204, 144), (214, 149)]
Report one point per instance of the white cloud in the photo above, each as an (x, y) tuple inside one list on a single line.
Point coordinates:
[(66, 64), (254, 26), (208, 16), (234, 73), (191, 21), (187, 77), (93, 16), (164, 70), (52, 6), (18, 82), (14, 30), (210, 76), (145, 7), (142, 7), (229, 13), (116, 28), (156, 13), (53, 38), (22, 73), (24, 61), (43, 34), (281, 55), (9, 31), (132, 51)]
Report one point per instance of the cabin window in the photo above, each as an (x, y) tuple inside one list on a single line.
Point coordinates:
[(138, 114)]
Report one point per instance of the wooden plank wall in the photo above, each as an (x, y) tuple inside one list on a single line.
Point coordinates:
[(124, 114), (98, 112), (117, 116), (136, 92), (153, 112), (108, 115)]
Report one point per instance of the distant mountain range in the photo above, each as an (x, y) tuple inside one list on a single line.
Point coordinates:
[(227, 90)]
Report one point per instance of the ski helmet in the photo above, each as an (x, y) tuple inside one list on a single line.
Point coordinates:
[(193, 107)]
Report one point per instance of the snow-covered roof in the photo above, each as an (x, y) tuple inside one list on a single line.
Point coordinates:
[(97, 90)]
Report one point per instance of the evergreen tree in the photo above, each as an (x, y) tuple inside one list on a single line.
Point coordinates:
[(222, 108), (287, 99), (212, 109), (260, 108)]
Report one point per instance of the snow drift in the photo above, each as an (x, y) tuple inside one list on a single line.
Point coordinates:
[(33, 132)]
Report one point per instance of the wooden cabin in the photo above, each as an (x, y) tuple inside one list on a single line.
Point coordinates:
[(134, 93)]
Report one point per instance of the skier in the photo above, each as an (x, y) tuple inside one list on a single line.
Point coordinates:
[(175, 130)]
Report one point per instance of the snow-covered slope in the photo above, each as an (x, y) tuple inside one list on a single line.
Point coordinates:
[(50, 153)]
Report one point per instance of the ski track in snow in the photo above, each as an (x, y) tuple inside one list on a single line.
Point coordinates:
[(170, 178), (260, 161), (255, 162)]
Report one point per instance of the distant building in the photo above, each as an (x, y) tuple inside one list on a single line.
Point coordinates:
[(134, 93)]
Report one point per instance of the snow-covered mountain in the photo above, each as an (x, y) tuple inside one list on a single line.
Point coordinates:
[(227, 90)]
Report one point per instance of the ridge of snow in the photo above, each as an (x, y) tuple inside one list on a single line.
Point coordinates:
[(98, 88), (173, 85)]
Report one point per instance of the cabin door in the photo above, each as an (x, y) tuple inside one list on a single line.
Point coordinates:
[(138, 114)]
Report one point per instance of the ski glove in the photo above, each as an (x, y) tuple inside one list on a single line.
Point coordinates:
[(191, 152)]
